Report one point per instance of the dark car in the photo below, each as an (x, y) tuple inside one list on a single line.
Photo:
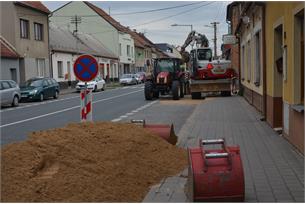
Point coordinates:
[(39, 89)]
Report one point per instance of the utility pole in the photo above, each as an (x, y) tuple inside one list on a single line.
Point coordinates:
[(214, 24), (76, 20)]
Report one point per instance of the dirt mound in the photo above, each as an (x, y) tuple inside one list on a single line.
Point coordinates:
[(88, 162)]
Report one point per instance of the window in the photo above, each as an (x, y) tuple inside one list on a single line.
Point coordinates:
[(120, 49), (204, 54), (128, 50), (257, 72), (54, 81), (41, 67), (5, 85), (285, 63), (131, 51), (24, 28), (45, 83), (38, 31), (50, 82), (249, 62), (299, 57), (12, 84), (242, 69), (60, 69)]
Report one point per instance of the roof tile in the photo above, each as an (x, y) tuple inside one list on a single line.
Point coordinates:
[(107, 17), (37, 5)]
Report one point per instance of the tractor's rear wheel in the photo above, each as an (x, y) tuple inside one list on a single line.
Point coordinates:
[(148, 90), (196, 95), (176, 90)]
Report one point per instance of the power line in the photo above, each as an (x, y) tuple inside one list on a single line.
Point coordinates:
[(156, 10), (170, 16), (136, 12)]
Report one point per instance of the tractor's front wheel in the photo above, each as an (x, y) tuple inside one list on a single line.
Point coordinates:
[(176, 90), (148, 90)]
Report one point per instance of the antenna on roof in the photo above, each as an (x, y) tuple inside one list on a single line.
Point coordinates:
[(109, 10), (76, 20)]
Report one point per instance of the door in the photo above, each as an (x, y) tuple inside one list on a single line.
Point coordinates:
[(13, 74), (6, 93), (46, 88), (69, 70), (108, 71), (51, 87), (102, 70)]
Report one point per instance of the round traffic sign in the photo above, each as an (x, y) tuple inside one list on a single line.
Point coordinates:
[(85, 68)]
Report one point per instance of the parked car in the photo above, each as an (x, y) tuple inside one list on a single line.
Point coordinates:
[(9, 93), (128, 79), (39, 88), (97, 84), (141, 77)]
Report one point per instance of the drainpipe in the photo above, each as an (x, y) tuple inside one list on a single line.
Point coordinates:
[(49, 55)]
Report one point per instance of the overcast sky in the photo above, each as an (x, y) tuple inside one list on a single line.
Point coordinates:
[(199, 15)]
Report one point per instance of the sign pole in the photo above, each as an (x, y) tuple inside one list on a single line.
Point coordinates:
[(86, 69)]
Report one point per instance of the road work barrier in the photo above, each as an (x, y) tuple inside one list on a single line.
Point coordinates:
[(215, 175)]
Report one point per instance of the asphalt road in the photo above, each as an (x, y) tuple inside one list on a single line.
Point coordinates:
[(117, 105), (16, 123)]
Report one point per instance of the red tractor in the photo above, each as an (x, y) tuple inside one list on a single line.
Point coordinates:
[(166, 78)]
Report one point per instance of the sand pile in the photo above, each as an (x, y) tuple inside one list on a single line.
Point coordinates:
[(89, 162)]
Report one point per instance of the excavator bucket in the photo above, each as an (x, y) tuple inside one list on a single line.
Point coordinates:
[(164, 131)]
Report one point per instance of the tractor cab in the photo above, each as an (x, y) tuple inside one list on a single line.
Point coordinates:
[(166, 70), (167, 78)]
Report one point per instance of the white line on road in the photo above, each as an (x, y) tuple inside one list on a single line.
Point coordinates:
[(57, 100), (64, 110), (132, 112)]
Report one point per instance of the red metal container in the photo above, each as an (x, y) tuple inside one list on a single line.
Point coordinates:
[(164, 131), (216, 175)]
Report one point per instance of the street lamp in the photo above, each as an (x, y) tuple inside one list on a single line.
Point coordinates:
[(189, 25)]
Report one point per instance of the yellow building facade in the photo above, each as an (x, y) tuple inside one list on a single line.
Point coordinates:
[(284, 37)]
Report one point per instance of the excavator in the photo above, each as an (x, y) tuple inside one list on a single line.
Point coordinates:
[(206, 74)]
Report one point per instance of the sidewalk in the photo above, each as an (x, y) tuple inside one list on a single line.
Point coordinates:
[(73, 90), (274, 172)]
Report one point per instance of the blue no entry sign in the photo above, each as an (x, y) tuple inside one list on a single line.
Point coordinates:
[(85, 68)]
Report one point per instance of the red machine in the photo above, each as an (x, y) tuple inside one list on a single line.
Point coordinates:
[(164, 131), (216, 175)]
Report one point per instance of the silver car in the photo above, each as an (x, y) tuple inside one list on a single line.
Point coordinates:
[(128, 79), (9, 93)]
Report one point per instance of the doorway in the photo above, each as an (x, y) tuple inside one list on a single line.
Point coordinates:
[(278, 77)]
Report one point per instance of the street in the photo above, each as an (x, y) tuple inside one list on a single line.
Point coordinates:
[(192, 119), (16, 123), (115, 104), (191, 101)]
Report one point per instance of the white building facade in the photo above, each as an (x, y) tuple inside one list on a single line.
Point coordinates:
[(96, 22)]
